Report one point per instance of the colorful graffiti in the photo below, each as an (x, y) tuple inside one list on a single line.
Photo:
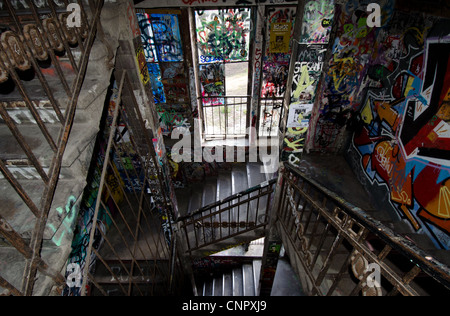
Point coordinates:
[(404, 135), (307, 74), (344, 82), (222, 35), (317, 22), (275, 64)]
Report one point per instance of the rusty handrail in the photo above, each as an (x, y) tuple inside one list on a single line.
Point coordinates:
[(225, 216), (39, 41), (342, 218)]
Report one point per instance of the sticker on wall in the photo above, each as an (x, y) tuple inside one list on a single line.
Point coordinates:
[(280, 35), (299, 115)]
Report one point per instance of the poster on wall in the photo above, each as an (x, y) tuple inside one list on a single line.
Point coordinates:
[(280, 35), (299, 115)]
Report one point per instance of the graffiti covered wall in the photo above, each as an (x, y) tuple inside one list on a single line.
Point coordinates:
[(397, 78), (313, 43)]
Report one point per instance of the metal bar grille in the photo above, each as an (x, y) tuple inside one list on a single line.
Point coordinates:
[(29, 40), (233, 216), (137, 256), (225, 116), (343, 251)]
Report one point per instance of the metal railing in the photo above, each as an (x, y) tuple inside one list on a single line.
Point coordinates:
[(138, 255), (340, 250), (236, 215), (225, 116), (30, 37), (271, 113)]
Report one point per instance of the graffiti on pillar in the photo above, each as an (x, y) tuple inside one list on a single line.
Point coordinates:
[(317, 22), (275, 64)]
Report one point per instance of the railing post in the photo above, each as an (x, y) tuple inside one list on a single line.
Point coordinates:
[(272, 244)]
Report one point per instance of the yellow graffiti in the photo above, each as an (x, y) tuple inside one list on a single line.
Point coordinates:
[(295, 131), (304, 82), (295, 145), (444, 202)]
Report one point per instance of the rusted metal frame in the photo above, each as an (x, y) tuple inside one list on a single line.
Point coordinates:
[(387, 272), (230, 234), (136, 233), (247, 200), (186, 237), (121, 213), (257, 207), (149, 143), (126, 224), (362, 249), (139, 157), (320, 244), (21, 246), (37, 69), (132, 209), (270, 191), (313, 234), (342, 272), (110, 271), (98, 286), (434, 269), (106, 264), (302, 259), (77, 30), (12, 290), (123, 239), (281, 210), (190, 218), (19, 189), (114, 252), (328, 260), (22, 143), (29, 103), (406, 279), (55, 169), (126, 196), (50, 51), (145, 169), (63, 38)]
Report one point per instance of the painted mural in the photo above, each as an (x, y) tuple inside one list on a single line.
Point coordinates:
[(402, 142), (223, 35), (342, 87)]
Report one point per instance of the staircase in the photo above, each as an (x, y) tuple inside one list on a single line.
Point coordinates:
[(226, 210), (230, 180), (30, 128), (239, 281)]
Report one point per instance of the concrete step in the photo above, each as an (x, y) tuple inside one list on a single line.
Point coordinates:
[(238, 281), (239, 179), (218, 246)]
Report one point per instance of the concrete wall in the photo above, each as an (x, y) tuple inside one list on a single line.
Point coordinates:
[(388, 89)]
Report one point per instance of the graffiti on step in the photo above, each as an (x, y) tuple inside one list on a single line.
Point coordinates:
[(20, 114)]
